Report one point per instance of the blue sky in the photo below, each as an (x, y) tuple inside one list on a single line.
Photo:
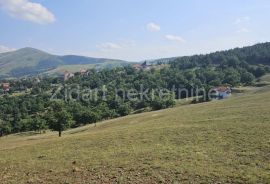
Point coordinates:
[(133, 29)]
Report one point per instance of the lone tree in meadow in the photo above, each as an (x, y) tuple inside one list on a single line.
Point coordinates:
[(59, 119)]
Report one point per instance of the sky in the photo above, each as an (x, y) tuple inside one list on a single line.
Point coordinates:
[(133, 30)]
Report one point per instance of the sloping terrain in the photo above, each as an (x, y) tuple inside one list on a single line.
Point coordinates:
[(30, 61), (217, 142), (258, 54)]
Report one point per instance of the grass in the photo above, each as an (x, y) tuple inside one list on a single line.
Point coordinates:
[(266, 78), (70, 68), (217, 142), (76, 68)]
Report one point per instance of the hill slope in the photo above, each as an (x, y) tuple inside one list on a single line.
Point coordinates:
[(29, 61), (216, 142), (253, 55)]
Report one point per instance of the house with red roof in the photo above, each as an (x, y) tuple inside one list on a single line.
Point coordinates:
[(221, 92), (6, 87), (143, 66), (83, 72), (67, 75)]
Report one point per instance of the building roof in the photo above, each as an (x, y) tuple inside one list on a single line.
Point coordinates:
[(222, 89), (83, 70), (5, 84)]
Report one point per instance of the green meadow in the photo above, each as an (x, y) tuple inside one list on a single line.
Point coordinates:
[(224, 141)]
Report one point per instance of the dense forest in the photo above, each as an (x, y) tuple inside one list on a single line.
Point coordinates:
[(111, 93)]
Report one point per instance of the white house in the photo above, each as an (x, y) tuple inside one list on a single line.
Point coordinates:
[(221, 92)]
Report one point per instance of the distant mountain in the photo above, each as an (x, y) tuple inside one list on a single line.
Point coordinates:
[(30, 61)]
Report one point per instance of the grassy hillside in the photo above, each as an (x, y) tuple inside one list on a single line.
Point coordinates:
[(29, 61), (22, 58), (75, 68), (217, 142)]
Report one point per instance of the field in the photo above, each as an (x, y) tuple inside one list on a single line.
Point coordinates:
[(217, 142), (77, 68)]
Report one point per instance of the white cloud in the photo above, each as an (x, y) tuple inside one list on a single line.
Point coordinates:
[(109, 45), (114, 46), (152, 27), (27, 10), (242, 24), (243, 30), (242, 20), (5, 49), (175, 38)]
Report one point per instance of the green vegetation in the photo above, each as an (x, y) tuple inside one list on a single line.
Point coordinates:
[(58, 118), (105, 94), (215, 142)]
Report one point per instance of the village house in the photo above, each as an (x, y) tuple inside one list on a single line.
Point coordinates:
[(143, 66), (83, 72), (221, 92), (36, 81), (6, 87), (137, 67), (67, 75)]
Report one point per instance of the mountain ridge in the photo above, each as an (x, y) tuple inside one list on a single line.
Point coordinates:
[(30, 61)]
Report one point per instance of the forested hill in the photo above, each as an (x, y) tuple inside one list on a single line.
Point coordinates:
[(253, 55), (30, 62), (29, 105)]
